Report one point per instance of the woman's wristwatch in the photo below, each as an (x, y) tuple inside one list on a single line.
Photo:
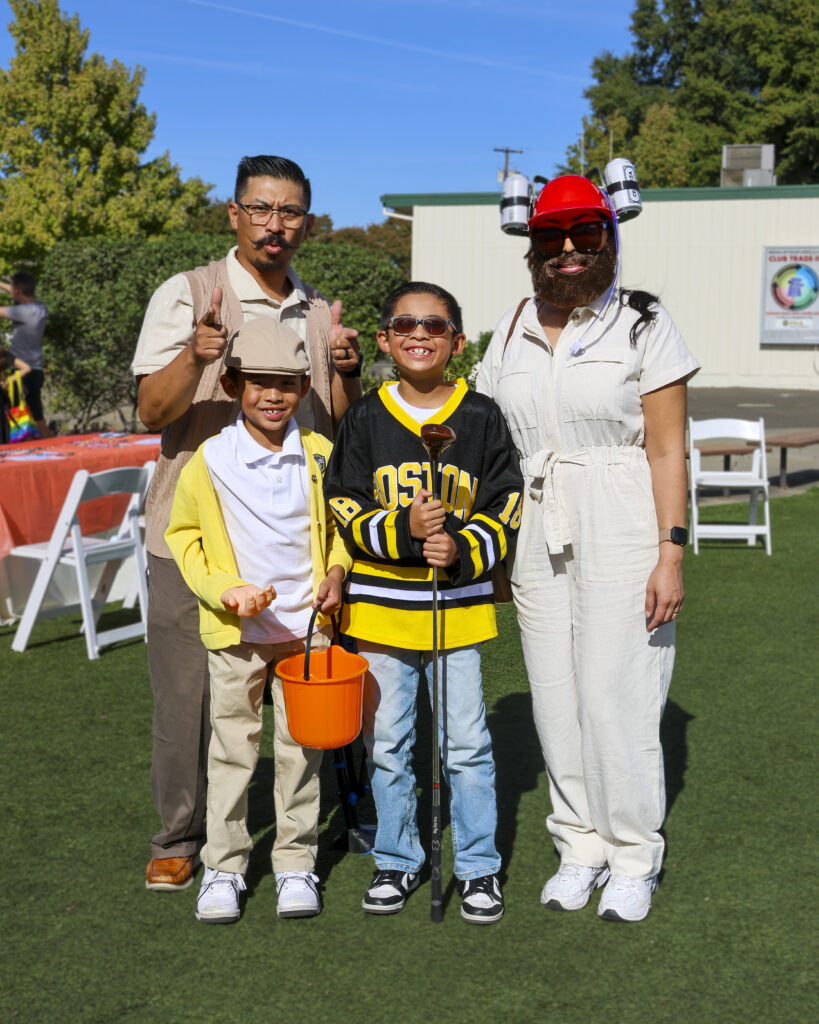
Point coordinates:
[(676, 534)]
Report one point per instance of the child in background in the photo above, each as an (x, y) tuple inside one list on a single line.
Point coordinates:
[(249, 506), (17, 364), (379, 485)]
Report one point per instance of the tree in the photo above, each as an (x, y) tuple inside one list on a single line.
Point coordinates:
[(706, 73), (662, 150), (322, 228), (361, 279), (603, 138), (72, 131), (392, 238), (97, 290), (213, 219)]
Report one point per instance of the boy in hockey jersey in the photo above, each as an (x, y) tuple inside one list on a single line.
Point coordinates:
[(255, 542), (379, 485)]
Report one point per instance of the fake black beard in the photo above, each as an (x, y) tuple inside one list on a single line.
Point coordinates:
[(567, 292)]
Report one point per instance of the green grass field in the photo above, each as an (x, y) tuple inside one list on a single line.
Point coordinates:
[(728, 940)]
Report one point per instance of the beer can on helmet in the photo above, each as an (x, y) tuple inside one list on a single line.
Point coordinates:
[(621, 185), (515, 204), (569, 194)]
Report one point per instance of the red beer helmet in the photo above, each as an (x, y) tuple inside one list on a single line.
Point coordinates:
[(568, 194)]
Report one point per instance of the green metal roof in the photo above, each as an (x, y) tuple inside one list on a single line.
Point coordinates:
[(441, 199), (405, 201)]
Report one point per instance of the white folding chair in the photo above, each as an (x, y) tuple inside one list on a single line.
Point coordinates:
[(132, 596), (753, 480), (68, 547)]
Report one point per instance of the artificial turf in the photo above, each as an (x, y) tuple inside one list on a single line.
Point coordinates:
[(728, 940)]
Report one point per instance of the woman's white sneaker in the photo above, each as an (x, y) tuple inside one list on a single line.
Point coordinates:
[(572, 886), (218, 899), (298, 894), (627, 899)]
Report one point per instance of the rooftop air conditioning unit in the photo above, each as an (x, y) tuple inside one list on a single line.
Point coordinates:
[(747, 165)]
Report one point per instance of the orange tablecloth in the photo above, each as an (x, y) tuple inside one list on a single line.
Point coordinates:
[(35, 477)]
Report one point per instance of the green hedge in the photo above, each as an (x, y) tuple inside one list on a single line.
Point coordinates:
[(361, 279), (98, 289)]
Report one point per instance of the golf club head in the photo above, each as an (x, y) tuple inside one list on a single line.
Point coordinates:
[(436, 438)]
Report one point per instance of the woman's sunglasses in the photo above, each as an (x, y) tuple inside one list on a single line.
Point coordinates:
[(435, 326), (587, 236)]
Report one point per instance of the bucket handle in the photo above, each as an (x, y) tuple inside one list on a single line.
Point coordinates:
[(309, 639)]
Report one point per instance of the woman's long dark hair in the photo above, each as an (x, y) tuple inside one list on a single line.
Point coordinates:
[(639, 301)]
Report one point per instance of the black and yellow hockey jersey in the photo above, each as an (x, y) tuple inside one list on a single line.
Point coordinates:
[(377, 467)]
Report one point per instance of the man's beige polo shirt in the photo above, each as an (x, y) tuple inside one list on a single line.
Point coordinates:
[(168, 324)]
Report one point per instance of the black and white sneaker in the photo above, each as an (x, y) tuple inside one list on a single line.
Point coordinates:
[(388, 892), (482, 900)]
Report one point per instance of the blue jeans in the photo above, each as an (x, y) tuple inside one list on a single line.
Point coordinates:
[(390, 693)]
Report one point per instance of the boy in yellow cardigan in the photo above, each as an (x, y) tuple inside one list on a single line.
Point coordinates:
[(250, 533)]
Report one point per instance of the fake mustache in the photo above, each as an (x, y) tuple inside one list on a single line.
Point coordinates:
[(272, 240), (574, 259)]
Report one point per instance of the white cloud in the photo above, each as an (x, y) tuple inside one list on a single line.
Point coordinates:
[(466, 58)]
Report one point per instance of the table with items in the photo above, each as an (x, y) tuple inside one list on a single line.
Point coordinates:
[(34, 480)]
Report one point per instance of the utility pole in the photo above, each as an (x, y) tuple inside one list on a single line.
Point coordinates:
[(506, 150)]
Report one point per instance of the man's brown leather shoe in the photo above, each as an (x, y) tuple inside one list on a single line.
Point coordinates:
[(171, 873)]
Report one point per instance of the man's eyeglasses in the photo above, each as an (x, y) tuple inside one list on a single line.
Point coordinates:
[(435, 326), (260, 213), (587, 236)]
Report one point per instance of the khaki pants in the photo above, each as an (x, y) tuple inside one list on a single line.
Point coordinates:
[(238, 676)]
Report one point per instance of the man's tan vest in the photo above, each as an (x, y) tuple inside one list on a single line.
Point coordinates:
[(211, 408)]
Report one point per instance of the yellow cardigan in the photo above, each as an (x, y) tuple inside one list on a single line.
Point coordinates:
[(201, 547)]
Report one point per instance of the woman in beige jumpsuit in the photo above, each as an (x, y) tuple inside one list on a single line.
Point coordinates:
[(596, 409)]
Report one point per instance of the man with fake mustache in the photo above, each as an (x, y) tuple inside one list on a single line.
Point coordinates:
[(591, 379), (178, 364)]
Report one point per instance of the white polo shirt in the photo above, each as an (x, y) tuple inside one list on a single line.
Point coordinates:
[(265, 502)]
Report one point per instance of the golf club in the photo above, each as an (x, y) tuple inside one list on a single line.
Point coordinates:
[(436, 438)]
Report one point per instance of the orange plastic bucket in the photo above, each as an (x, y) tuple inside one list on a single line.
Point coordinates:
[(324, 711)]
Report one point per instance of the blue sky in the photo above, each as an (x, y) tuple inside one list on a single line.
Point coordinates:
[(369, 96)]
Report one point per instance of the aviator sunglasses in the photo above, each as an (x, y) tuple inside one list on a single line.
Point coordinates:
[(587, 236), (435, 326)]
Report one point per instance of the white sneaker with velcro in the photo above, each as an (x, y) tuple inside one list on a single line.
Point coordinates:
[(298, 894), (218, 899)]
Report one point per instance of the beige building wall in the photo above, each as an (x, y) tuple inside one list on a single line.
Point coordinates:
[(702, 256)]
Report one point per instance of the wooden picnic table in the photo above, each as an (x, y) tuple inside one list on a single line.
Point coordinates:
[(794, 439), (726, 450)]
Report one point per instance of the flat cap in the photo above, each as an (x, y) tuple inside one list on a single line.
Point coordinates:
[(267, 346)]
